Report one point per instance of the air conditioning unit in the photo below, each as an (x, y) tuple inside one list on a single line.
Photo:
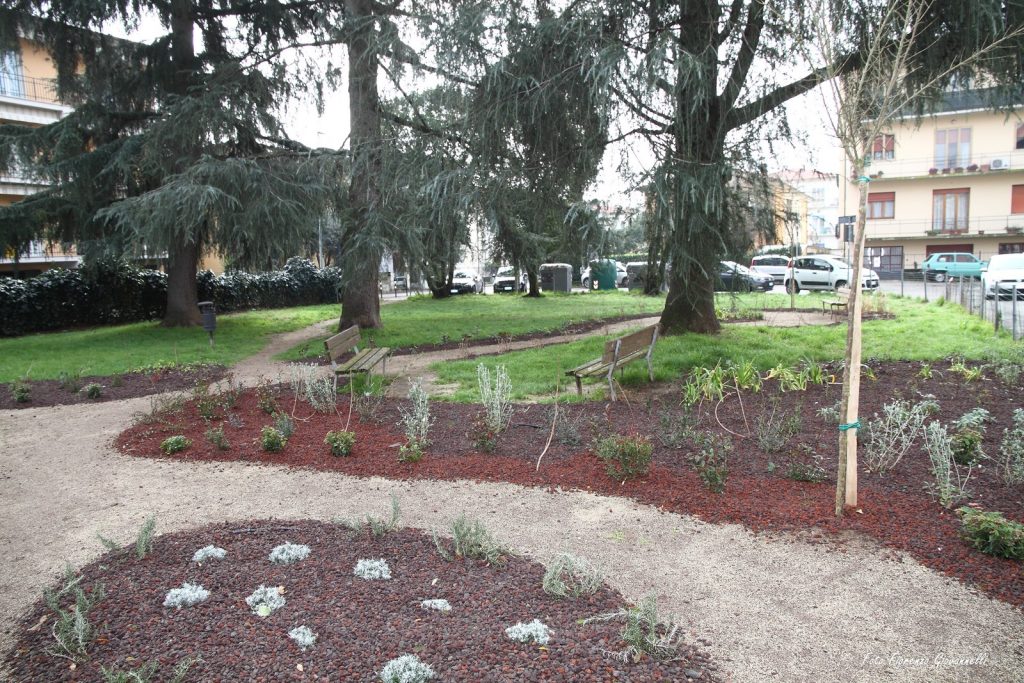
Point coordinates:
[(1000, 164)]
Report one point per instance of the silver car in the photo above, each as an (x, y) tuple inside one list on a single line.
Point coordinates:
[(771, 264), (825, 272)]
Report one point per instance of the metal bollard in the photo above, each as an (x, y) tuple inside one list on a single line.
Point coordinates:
[(209, 315)]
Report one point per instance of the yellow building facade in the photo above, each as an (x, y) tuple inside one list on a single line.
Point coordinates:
[(953, 181)]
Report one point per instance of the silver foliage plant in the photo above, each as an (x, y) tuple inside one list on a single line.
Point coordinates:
[(188, 595), (534, 632), (568, 576), (289, 553), (950, 478), (210, 552), (1011, 450), (265, 600), (372, 570), (890, 436), (406, 669), (416, 421), (437, 604), (309, 382), (495, 396), (303, 637)]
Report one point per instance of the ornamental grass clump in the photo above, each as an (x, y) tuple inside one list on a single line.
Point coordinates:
[(341, 442), (289, 553), (175, 444), (373, 570), (625, 456), (406, 669), (265, 600), (188, 595), (568, 576), (210, 552), (303, 637), (534, 632), (471, 539), (437, 605), (992, 533)]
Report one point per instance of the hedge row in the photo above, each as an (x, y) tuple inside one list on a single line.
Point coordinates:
[(113, 292)]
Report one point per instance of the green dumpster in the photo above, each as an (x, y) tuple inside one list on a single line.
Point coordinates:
[(604, 275)]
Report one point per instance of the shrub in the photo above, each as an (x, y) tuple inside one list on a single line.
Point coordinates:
[(495, 397), (209, 552), (20, 392), (308, 382), (341, 442), (215, 435), (992, 533), (482, 435), (303, 637), (266, 396), (272, 439), (805, 465), (625, 456), (289, 553), (1011, 450), (416, 423), (950, 482), (774, 429), (570, 576), (265, 600), (175, 444), (969, 434), (643, 634), (372, 570), (93, 390), (890, 436), (205, 402), (188, 595), (471, 539), (284, 424), (711, 460), (438, 605), (406, 669), (534, 632), (70, 380)]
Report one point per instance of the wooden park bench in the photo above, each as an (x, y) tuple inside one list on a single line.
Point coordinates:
[(363, 361), (840, 305), (617, 353)]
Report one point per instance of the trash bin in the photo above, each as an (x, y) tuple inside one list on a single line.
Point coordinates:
[(208, 314), (556, 277), (604, 275)]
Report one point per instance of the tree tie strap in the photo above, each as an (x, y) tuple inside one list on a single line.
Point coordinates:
[(863, 180), (850, 425)]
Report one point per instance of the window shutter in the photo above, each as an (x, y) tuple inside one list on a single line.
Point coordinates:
[(1017, 201)]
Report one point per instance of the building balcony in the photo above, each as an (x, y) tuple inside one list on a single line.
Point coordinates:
[(927, 167), (29, 88), (1002, 225), (39, 251)]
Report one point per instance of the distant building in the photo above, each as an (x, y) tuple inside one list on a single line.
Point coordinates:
[(822, 190), (953, 181)]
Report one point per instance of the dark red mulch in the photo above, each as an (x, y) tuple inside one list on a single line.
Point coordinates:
[(360, 624), (895, 509), (50, 392)]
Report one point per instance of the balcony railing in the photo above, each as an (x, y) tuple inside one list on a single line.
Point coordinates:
[(28, 88), (975, 226), (917, 167)]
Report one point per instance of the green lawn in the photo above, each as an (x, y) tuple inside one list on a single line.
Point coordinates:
[(920, 331), (422, 320), (117, 349)]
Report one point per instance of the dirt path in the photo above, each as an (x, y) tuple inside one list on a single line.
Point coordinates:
[(772, 609)]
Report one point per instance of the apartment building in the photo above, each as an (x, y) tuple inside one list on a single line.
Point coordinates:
[(822, 192), (953, 181), (28, 96)]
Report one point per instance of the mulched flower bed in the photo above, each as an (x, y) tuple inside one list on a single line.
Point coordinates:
[(360, 624), (896, 509), (52, 392)]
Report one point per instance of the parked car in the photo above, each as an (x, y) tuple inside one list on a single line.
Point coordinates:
[(1003, 273), (401, 282), (621, 276), (464, 283), (505, 280), (942, 266), (825, 272), (771, 264), (734, 277)]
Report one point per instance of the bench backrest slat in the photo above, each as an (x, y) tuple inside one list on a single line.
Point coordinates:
[(342, 343), (629, 344)]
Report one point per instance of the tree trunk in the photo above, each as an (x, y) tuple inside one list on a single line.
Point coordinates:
[(182, 290), (690, 305), (534, 285), (360, 300)]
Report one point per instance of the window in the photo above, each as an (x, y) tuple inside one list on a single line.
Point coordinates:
[(1020, 136), (1011, 248), (1017, 199), (949, 209), (952, 147), (881, 205), (884, 147), (11, 81)]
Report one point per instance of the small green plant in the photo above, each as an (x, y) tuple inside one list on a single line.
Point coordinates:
[(970, 374), (888, 438), (232, 393), (117, 380), (482, 435), (144, 539), (1011, 451), (471, 539), (341, 442), (746, 376), (830, 413), (70, 380), (266, 396), (789, 379), (205, 402), (968, 435), (71, 629), (495, 397), (416, 423), (175, 444), (20, 391), (926, 371), (568, 576), (625, 456), (289, 553), (805, 465), (272, 440), (773, 429), (161, 409), (711, 460), (147, 672), (369, 396), (215, 436), (534, 632), (284, 424), (93, 390), (813, 372), (675, 429), (992, 533), (309, 382), (950, 481), (705, 384), (643, 633)]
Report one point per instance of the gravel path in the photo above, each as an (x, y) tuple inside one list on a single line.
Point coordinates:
[(772, 609)]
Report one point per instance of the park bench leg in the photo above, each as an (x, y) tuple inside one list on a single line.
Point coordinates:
[(611, 383), (579, 385)]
